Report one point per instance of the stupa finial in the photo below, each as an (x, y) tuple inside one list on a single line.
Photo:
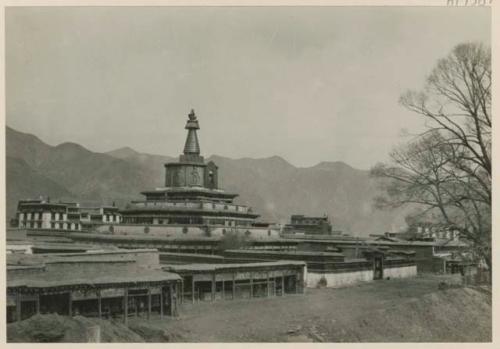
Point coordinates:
[(192, 146), (192, 115)]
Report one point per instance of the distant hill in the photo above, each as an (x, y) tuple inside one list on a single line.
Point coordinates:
[(90, 177), (278, 189), (272, 186), (153, 163), (21, 181)]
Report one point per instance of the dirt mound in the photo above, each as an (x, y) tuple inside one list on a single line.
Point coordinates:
[(56, 328), (457, 315), (154, 332)]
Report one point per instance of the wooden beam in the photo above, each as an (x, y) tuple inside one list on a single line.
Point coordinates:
[(70, 304), (251, 285), (234, 286), (38, 303), (149, 303), (18, 306), (181, 293), (302, 282), (161, 302), (125, 306), (192, 289), (99, 303), (223, 291), (213, 287), (171, 291), (268, 286)]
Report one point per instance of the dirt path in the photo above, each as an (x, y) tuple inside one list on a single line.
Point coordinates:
[(392, 310)]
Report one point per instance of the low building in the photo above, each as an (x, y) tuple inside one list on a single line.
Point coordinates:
[(43, 214), (314, 260), (431, 231), (115, 284), (63, 216), (300, 224), (330, 269), (221, 281), (428, 254), (92, 217)]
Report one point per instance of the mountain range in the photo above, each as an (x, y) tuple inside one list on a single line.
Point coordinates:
[(273, 187)]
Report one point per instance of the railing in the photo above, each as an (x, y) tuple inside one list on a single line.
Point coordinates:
[(195, 205)]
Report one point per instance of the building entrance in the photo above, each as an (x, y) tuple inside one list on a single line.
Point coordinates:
[(378, 268)]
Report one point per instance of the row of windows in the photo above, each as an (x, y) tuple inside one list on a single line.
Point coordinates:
[(60, 216), (185, 220), (30, 225), (68, 226), (111, 218), (308, 221), (39, 215)]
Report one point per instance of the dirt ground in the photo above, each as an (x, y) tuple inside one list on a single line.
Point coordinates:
[(405, 310)]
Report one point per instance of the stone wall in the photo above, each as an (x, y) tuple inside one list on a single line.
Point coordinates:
[(400, 272), (191, 231), (353, 277), (338, 279), (142, 258)]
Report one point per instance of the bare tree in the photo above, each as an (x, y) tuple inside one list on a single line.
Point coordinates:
[(447, 169)]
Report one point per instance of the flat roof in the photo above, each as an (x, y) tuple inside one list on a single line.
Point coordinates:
[(196, 255), (63, 246), (18, 242), (288, 253), (107, 252), (69, 257), (99, 276), (152, 238), (361, 241), (229, 266)]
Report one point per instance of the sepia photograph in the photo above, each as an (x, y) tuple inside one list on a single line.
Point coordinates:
[(248, 174)]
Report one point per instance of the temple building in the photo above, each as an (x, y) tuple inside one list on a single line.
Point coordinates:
[(191, 195), (309, 225), (43, 214), (40, 214)]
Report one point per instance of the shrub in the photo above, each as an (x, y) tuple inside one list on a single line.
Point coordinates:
[(322, 282)]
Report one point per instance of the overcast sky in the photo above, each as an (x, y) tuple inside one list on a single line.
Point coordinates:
[(308, 84)]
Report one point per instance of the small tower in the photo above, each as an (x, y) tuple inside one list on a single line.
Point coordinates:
[(192, 146)]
